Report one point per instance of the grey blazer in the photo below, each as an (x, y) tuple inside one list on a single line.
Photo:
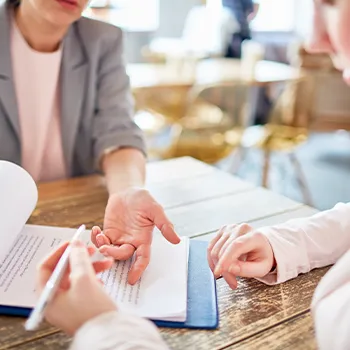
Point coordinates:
[(96, 102)]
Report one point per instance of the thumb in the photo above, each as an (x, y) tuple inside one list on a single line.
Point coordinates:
[(239, 247), (164, 225), (80, 263), (102, 239)]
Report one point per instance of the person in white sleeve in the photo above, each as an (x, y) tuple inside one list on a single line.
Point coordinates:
[(278, 253)]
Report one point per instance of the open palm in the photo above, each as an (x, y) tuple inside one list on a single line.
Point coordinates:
[(129, 221)]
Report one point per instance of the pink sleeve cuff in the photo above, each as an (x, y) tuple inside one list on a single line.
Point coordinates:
[(289, 264), (301, 245)]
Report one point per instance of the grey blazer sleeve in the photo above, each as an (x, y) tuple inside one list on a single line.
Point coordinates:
[(113, 125)]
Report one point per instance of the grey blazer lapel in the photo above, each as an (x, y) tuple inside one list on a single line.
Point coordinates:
[(73, 74), (7, 89)]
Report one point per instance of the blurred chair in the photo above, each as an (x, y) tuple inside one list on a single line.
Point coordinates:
[(207, 32), (319, 101), (171, 101), (153, 56), (283, 133), (327, 107), (208, 131), (330, 110), (300, 57), (160, 135)]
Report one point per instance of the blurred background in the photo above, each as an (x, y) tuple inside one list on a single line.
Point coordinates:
[(230, 83)]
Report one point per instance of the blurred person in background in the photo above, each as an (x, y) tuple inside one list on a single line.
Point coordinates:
[(244, 11)]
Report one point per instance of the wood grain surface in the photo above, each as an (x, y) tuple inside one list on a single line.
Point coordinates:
[(251, 309), (296, 334)]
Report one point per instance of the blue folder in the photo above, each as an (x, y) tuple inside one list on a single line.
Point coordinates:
[(202, 308)]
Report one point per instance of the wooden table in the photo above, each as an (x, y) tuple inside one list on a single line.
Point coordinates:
[(198, 199), (208, 72)]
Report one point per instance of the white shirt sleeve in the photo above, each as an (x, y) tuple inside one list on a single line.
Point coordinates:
[(118, 331), (331, 307), (304, 244)]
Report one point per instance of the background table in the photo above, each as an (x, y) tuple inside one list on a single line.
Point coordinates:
[(199, 200), (208, 72)]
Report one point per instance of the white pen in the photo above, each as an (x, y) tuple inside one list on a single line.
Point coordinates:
[(51, 286)]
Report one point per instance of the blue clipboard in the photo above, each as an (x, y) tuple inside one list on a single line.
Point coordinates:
[(202, 307)]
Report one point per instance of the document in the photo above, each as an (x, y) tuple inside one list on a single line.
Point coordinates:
[(161, 293), (18, 265)]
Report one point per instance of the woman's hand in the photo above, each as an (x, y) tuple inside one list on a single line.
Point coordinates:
[(129, 221), (239, 250), (80, 297)]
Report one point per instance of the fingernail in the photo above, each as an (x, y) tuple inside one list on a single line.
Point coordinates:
[(103, 250), (217, 271), (234, 269), (171, 226)]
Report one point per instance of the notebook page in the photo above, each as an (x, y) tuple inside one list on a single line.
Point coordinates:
[(18, 267), (161, 293), (18, 197)]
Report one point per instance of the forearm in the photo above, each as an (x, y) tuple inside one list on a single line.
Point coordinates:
[(304, 244), (123, 169), (253, 14)]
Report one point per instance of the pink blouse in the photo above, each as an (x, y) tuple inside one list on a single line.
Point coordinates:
[(36, 78)]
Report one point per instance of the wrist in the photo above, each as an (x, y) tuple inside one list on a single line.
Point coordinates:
[(270, 254), (124, 169), (126, 189), (123, 187), (91, 322)]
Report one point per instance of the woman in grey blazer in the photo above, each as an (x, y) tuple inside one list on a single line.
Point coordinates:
[(66, 108)]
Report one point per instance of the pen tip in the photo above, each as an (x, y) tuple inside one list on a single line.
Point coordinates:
[(30, 326)]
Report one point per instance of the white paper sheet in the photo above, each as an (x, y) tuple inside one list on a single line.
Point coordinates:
[(18, 197), (18, 266), (161, 294)]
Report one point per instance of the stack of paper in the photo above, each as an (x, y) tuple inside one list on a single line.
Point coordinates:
[(161, 294)]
